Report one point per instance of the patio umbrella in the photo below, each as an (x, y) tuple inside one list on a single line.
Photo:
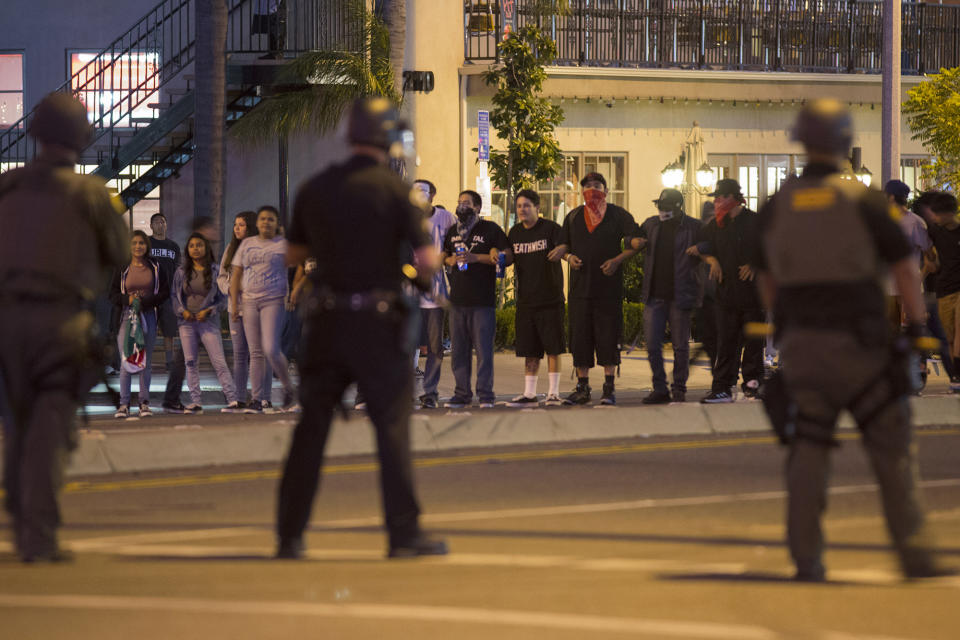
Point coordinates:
[(694, 157)]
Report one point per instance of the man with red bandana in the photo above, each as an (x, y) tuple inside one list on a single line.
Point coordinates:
[(727, 243), (595, 240)]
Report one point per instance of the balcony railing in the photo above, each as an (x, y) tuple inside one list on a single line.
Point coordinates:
[(815, 36)]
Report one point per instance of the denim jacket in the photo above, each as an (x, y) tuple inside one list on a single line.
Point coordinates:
[(215, 299), (688, 291)]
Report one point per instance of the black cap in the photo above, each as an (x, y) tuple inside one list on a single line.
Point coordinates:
[(897, 189), (593, 176), (726, 187), (61, 119), (669, 200), (374, 121)]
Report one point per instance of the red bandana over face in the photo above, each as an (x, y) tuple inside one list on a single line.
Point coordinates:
[(722, 210), (595, 205)]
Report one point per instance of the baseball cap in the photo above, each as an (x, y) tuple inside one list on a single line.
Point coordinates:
[(726, 187), (897, 189), (669, 200), (593, 176)]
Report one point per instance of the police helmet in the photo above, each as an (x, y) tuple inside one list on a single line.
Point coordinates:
[(374, 121), (670, 200), (61, 119), (824, 125)]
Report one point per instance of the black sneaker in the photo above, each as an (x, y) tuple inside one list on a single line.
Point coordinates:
[(522, 401), (174, 407), (657, 397), (456, 403), (609, 397), (718, 397), (419, 546), (580, 395), (679, 396), (428, 402), (254, 406), (751, 389)]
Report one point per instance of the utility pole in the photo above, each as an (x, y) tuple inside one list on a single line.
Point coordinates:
[(890, 101)]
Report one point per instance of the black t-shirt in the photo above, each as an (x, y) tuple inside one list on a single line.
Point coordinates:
[(734, 245), (605, 242), (477, 285), (539, 281), (166, 253), (947, 242), (663, 269), (359, 223)]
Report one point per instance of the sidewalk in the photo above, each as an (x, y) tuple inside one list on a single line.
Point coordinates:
[(193, 441)]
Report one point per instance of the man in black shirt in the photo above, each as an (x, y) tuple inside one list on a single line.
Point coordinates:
[(166, 253), (357, 219), (539, 296), (472, 248), (944, 230), (671, 291), (728, 242), (594, 241)]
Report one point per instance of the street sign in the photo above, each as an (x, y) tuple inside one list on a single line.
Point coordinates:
[(483, 124)]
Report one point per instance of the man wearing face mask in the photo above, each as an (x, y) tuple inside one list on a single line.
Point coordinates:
[(595, 240), (471, 249), (670, 291)]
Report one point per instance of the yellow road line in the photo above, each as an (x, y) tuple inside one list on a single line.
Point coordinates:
[(516, 456)]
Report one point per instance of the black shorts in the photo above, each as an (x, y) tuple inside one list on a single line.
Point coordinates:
[(539, 330), (167, 321), (595, 328)]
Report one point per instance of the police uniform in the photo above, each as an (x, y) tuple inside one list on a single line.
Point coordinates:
[(357, 219), (825, 243), (61, 234)]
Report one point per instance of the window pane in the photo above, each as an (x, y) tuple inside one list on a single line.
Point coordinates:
[(115, 90), (11, 88)]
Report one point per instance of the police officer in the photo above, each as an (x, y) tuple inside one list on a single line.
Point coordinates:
[(61, 234), (359, 222), (825, 243)]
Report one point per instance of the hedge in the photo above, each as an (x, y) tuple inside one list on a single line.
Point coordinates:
[(507, 332)]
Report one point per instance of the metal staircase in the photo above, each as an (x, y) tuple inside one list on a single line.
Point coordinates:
[(166, 37)]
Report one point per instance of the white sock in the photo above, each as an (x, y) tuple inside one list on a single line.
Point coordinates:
[(530, 386), (416, 358), (554, 383)]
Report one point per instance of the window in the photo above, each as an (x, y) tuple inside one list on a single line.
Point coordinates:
[(760, 176), (11, 89), (562, 194), (911, 172), (118, 90)]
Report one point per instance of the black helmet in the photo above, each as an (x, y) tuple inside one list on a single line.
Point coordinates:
[(670, 200), (375, 121), (824, 125), (61, 119)]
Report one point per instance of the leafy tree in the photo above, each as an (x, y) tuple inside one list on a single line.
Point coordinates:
[(520, 116), (933, 113)]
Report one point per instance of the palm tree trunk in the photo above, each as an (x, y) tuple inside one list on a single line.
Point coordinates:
[(209, 165), (396, 18)]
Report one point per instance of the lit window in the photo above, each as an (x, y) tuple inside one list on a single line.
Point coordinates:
[(11, 89), (116, 89)]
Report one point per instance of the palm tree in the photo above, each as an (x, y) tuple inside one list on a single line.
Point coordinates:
[(209, 174)]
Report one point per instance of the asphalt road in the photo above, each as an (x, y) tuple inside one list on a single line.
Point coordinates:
[(653, 538)]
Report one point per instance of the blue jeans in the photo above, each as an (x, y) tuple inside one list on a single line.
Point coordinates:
[(191, 335), (262, 323), (472, 328), (241, 361), (433, 322), (656, 314), (149, 338)]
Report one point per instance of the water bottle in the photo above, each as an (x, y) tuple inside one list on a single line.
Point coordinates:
[(461, 250), (501, 265)]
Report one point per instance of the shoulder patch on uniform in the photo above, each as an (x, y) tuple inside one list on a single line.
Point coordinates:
[(895, 214), (813, 198)]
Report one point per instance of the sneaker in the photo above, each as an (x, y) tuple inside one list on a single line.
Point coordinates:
[(657, 397), (145, 410), (580, 395), (123, 411), (233, 407), (552, 400), (266, 406), (428, 402), (290, 402), (487, 405), (679, 396), (955, 384), (751, 389), (523, 401), (718, 397), (609, 396), (421, 545), (456, 403), (193, 408), (418, 373), (254, 406), (174, 407)]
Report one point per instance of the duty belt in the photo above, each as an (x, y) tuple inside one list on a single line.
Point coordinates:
[(375, 300)]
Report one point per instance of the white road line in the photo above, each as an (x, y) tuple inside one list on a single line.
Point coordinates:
[(452, 615), (94, 544)]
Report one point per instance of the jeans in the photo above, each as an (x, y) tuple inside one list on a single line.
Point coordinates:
[(656, 314), (262, 321), (472, 328), (241, 361), (193, 333), (149, 338), (433, 322)]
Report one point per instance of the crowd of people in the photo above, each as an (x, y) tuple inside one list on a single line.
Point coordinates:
[(695, 271)]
